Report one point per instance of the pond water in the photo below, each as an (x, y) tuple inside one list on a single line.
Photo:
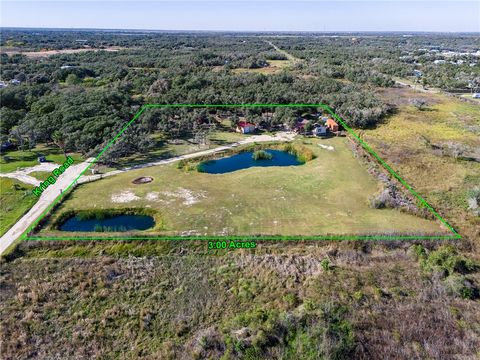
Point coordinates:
[(244, 160), (111, 224)]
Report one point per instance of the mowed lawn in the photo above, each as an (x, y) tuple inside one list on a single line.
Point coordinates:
[(12, 160), (16, 198), (328, 195)]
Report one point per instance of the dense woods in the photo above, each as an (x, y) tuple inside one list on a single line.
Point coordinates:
[(89, 95)]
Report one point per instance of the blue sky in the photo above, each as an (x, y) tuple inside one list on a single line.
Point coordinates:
[(270, 15)]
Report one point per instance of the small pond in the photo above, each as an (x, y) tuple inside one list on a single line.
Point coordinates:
[(244, 160), (110, 224)]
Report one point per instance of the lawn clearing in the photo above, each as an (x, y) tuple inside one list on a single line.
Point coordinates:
[(274, 66), (16, 198), (12, 160), (328, 195)]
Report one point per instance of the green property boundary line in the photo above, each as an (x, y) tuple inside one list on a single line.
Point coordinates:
[(454, 235)]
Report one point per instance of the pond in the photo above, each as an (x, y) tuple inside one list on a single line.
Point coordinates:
[(111, 224), (244, 160)]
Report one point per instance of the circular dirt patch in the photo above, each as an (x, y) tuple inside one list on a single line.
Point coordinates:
[(142, 180)]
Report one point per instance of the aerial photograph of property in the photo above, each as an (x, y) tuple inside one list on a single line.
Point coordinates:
[(239, 179)]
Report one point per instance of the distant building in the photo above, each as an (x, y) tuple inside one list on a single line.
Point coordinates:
[(2, 84), (332, 125), (15, 82), (245, 127), (439, 62), (476, 95)]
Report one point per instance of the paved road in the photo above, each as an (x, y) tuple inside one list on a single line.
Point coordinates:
[(46, 199)]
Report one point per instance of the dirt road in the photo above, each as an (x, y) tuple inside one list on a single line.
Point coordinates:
[(46, 199), (23, 174)]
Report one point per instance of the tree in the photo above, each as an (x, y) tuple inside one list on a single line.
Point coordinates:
[(59, 140), (308, 127), (158, 87), (72, 79)]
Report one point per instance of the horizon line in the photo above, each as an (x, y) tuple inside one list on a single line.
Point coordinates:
[(241, 31)]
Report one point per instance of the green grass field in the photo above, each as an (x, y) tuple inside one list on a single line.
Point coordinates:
[(328, 195), (11, 160), (16, 198), (40, 175)]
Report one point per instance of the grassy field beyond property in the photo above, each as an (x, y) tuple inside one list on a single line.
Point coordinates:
[(328, 195), (434, 150)]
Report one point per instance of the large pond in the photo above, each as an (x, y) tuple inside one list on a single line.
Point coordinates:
[(111, 224), (245, 160)]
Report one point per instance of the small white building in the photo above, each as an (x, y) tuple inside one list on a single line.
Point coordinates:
[(476, 95), (15, 82)]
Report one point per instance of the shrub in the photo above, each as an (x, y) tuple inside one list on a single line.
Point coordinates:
[(291, 299), (261, 155), (302, 153), (181, 164), (473, 199), (325, 264), (323, 332), (446, 259), (459, 286), (188, 166), (418, 251)]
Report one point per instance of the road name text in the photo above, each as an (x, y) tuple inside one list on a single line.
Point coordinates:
[(52, 179)]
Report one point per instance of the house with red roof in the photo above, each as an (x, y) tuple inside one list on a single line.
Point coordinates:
[(245, 127)]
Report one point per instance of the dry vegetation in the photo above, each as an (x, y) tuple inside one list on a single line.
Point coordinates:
[(309, 300), (436, 150)]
